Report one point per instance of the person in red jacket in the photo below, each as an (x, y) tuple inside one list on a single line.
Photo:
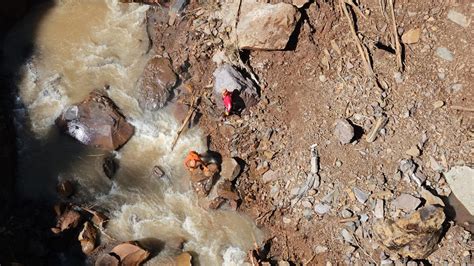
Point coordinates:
[(227, 98)]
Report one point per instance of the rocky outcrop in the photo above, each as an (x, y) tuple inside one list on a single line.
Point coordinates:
[(415, 236), (266, 26), (96, 122), (245, 93), (156, 83)]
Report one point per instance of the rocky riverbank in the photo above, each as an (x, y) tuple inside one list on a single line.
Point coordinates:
[(347, 135)]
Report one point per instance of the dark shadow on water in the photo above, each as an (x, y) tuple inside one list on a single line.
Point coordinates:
[(26, 214)]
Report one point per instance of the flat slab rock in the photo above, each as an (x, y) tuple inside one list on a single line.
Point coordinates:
[(96, 122), (461, 181), (156, 83), (266, 26)]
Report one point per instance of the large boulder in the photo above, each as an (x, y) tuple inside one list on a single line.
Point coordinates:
[(415, 236), (245, 92), (266, 26), (157, 81), (461, 182), (96, 122)]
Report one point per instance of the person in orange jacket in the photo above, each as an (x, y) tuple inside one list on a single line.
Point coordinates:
[(193, 161)]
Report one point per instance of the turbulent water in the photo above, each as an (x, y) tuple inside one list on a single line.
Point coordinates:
[(87, 44)]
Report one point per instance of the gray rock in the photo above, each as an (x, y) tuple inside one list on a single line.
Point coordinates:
[(444, 53), (455, 88), (320, 249), (379, 209), (322, 208), (269, 176), (398, 77), (226, 77), (406, 202), (461, 182), (329, 197), (230, 169), (458, 18), (364, 217), (265, 26), (346, 213), (347, 236), (360, 195), (344, 131), (435, 165)]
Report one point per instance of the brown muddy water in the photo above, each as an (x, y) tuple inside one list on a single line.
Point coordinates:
[(87, 44)]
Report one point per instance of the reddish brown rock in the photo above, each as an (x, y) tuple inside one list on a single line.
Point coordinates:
[(96, 122), (130, 254), (88, 238), (65, 188), (266, 26), (66, 219), (156, 83)]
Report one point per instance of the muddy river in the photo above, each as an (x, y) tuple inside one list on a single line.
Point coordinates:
[(87, 44)]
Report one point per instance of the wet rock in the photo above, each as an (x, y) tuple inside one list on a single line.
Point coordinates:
[(406, 202), (360, 195), (414, 236), (96, 122), (157, 171), (226, 191), (130, 254), (157, 81), (98, 219), (344, 131), (65, 188), (183, 259), (411, 36), (203, 178), (458, 18), (230, 169), (461, 182), (107, 260), (67, 218), (110, 166), (266, 26), (444, 53), (88, 238), (216, 203), (322, 208), (245, 92)]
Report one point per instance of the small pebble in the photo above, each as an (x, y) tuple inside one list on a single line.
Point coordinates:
[(322, 78), (438, 104), (444, 53)]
